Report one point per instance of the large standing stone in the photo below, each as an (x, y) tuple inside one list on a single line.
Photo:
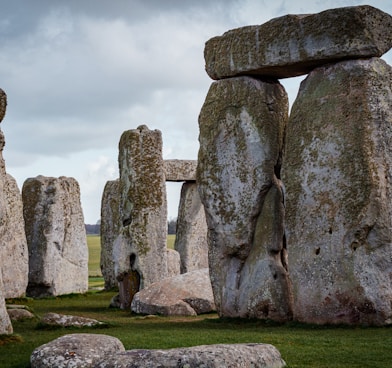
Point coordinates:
[(5, 322), (13, 244), (338, 176), (242, 124), (14, 254), (191, 236), (110, 226), (56, 236), (140, 249), (295, 44), (211, 356)]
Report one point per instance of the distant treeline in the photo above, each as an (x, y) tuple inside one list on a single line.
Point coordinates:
[(96, 228)]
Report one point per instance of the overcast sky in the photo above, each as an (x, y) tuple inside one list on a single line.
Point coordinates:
[(78, 73)]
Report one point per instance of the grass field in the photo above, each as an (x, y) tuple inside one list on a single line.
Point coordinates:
[(300, 345)]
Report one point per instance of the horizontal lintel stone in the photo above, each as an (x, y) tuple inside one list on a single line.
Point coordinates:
[(293, 45), (180, 170)]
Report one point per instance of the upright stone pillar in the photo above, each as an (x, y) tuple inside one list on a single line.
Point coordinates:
[(338, 174), (242, 124), (191, 236), (56, 236), (13, 245), (140, 249), (110, 226)]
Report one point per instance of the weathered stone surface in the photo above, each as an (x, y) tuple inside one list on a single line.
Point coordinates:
[(3, 104), (140, 248), (293, 45), (75, 350), (338, 176), (186, 294), (173, 262), (191, 237), (180, 170), (212, 356), (242, 124), (63, 320), (5, 322), (110, 225), (13, 244), (56, 236), (18, 312)]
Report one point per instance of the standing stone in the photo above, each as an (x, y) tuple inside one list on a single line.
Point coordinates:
[(140, 249), (14, 254), (56, 236), (110, 225), (242, 124), (13, 244), (173, 262), (5, 322), (295, 44), (191, 236), (338, 176)]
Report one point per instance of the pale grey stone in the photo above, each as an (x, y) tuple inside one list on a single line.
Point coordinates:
[(76, 351), (14, 254), (242, 124), (191, 236), (211, 356), (18, 314), (173, 262), (186, 294), (109, 229), (56, 236), (338, 175), (63, 320), (293, 45), (180, 170), (5, 322), (140, 248)]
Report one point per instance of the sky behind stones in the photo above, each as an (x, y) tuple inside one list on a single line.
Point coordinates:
[(78, 73)]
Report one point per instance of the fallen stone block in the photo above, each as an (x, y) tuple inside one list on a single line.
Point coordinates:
[(187, 294), (75, 350), (211, 356)]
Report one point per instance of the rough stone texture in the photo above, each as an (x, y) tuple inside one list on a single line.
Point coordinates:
[(180, 170), (110, 225), (191, 236), (173, 262), (75, 350), (186, 294), (13, 244), (242, 125), (3, 104), (19, 314), (338, 175), (5, 322), (140, 249), (211, 356), (55, 319), (56, 236), (293, 45), (14, 255)]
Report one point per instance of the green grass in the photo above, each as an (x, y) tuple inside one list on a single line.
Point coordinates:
[(170, 241), (94, 255), (300, 345)]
